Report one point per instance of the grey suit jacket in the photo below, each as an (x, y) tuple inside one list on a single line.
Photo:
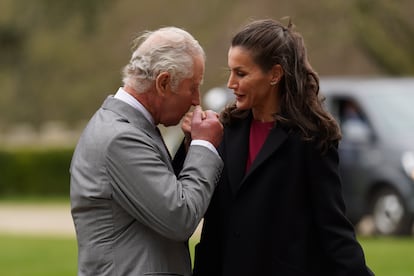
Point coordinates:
[(132, 214)]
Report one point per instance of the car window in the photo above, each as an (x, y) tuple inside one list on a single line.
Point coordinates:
[(352, 119), (395, 110)]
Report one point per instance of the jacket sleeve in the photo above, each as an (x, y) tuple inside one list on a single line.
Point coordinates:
[(207, 259), (146, 187), (207, 256), (336, 234)]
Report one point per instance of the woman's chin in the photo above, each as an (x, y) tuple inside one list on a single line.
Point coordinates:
[(241, 106)]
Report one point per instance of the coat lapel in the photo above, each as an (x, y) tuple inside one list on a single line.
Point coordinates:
[(276, 137), (237, 141), (237, 146)]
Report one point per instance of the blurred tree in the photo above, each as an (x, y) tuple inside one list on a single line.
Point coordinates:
[(63, 11), (28, 30), (385, 32), (12, 41), (59, 59)]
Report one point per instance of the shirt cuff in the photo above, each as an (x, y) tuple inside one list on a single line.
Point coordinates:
[(206, 144)]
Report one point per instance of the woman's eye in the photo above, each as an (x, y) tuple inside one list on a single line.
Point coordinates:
[(237, 73), (240, 74)]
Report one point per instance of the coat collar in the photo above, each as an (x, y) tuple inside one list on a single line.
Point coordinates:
[(128, 113), (237, 144)]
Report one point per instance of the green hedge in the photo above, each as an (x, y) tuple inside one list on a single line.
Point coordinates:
[(35, 172)]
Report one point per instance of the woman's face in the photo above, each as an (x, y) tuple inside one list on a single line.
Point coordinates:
[(250, 84)]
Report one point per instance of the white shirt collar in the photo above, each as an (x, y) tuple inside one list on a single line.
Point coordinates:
[(124, 96)]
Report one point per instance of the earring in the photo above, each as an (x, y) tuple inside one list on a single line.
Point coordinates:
[(273, 83)]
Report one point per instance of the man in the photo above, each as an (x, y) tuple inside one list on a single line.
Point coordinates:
[(132, 214)]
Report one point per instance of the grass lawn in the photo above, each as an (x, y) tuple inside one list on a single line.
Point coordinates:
[(44, 256), (390, 256), (37, 256)]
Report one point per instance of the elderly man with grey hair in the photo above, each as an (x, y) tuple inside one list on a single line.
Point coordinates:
[(134, 208)]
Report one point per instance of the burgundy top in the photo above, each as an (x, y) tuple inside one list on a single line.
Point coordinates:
[(258, 134)]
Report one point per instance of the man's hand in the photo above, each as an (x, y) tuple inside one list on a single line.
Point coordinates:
[(206, 126)]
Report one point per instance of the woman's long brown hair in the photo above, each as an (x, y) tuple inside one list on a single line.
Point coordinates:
[(301, 106)]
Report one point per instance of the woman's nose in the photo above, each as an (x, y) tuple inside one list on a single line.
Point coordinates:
[(231, 83)]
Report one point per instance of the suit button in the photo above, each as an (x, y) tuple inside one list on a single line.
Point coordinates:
[(236, 234)]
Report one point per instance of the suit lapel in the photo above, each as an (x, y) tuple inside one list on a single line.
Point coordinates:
[(137, 119), (237, 140)]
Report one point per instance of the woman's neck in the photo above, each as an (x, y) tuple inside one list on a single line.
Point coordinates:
[(267, 110), (264, 116)]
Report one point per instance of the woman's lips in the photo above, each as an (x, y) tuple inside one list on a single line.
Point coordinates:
[(239, 96)]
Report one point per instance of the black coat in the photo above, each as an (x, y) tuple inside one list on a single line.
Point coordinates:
[(283, 217)]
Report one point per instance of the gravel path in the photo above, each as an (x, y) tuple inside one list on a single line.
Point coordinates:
[(42, 219)]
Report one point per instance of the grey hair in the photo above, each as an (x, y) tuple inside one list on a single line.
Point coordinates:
[(169, 49)]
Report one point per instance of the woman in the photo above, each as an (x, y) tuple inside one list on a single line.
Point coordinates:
[(278, 209)]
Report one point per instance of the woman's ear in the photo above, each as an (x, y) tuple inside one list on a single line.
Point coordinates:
[(162, 82), (277, 74)]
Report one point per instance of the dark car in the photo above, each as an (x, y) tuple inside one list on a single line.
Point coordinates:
[(377, 148)]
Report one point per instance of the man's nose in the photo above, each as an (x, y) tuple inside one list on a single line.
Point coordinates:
[(196, 99)]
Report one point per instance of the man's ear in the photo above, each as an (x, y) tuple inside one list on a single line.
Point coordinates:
[(162, 82)]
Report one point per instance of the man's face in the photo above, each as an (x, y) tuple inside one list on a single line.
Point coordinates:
[(177, 103)]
